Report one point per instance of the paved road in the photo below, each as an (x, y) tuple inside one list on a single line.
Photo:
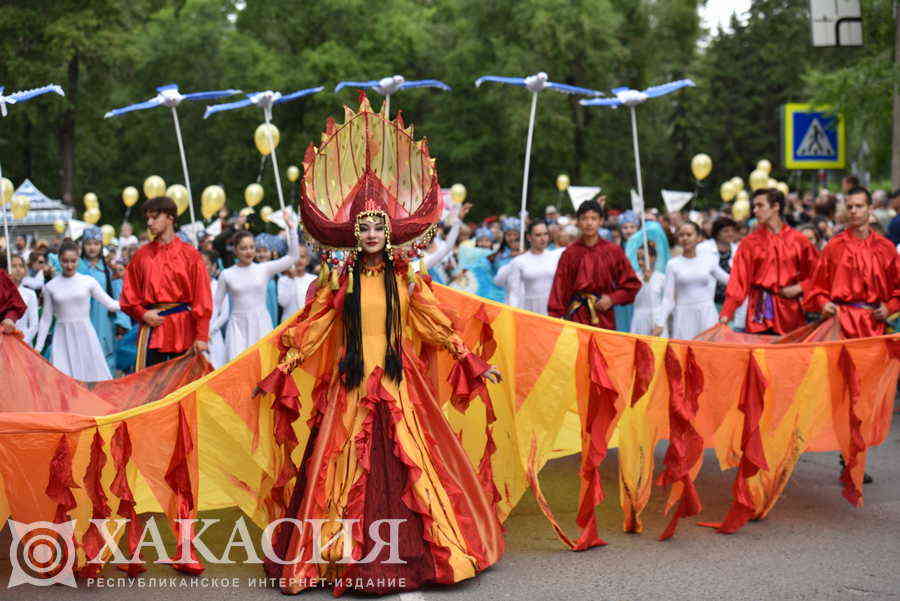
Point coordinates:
[(814, 545)]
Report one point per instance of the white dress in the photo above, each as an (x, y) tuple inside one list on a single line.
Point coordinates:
[(217, 354), (248, 319), (28, 325), (528, 279), (648, 306), (292, 294), (689, 294), (76, 348)]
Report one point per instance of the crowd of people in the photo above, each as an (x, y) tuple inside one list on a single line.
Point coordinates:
[(676, 274)]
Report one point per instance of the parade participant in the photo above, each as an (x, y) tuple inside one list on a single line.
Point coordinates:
[(39, 271), (690, 288), (246, 283), (593, 275), (92, 263), (649, 300), (509, 244), (441, 248), (127, 239), (166, 290), (28, 324), (380, 446), (475, 273), (769, 270), (267, 248), (77, 351), (294, 284), (857, 277), (217, 354), (12, 307), (528, 278), (629, 224)]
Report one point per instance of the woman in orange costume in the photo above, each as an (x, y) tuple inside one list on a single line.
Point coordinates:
[(379, 447)]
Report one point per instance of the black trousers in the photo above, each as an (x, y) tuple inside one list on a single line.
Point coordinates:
[(154, 356)]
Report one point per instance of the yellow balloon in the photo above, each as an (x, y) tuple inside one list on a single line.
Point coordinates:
[(19, 206), (738, 182), (293, 173), (262, 140), (179, 194), (458, 193), (6, 190), (92, 216), (212, 199), (154, 186), (759, 179), (109, 232), (701, 165), (246, 211), (562, 182), (59, 225), (90, 201), (253, 194), (783, 188), (772, 183), (727, 191), (740, 210), (265, 212), (764, 165), (130, 196)]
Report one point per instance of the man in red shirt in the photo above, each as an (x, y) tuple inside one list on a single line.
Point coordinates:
[(12, 307), (858, 274), (167, 291), (592, 275), (769, 270)]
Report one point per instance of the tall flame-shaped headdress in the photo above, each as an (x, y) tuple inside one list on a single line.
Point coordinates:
[(370, 165)]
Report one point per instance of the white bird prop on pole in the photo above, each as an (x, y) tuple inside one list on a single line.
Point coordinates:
[(388, 86), (265, 100), (632, 98), (170, 97), (5, 100), (536, 84)]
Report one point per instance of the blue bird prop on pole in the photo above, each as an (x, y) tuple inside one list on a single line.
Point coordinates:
[(265, 100), (631, 98), (170, 97), (388, 86), (9, 99), (536, 84)]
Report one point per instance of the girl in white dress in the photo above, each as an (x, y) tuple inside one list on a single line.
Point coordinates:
[(690, 288), (28, 325), (76, 348), (648, 303), (246, 283), (293, 286), (528, 278)]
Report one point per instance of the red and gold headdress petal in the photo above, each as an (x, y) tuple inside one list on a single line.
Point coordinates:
[(369, 164)]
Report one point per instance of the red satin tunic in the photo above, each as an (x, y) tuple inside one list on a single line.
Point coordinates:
[(169, 273), (853, 271), (766, 261), (598, 269), (11, 304)]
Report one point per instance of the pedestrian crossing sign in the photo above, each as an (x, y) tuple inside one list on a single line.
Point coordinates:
[(814, 137)]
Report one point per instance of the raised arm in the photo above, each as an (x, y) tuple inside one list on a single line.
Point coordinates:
[(45, 323), (284, 263)]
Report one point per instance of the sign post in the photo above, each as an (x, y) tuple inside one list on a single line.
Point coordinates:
[(813, 137)]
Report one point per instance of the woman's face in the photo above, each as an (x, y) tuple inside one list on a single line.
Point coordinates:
[(628, 229), (17, 269), (303, 261), (245, 251), (372, 235), (484, 242), (69, 262), (642, 261), (810, 235), (512, 239), (687, 236), (92, 248), (118, 271)]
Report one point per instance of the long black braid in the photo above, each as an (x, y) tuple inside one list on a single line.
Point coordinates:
[(352, 365)]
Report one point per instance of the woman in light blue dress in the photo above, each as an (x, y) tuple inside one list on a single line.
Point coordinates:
[(92, 263)]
